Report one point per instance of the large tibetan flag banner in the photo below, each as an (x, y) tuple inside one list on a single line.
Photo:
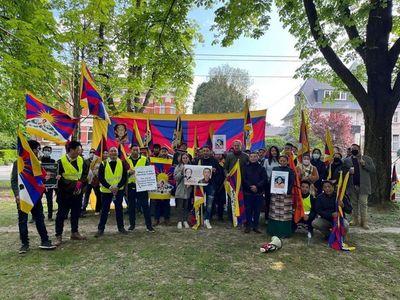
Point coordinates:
[(47, 122), (233, 187), (164, 177), (90, 95), (304, 146), (338, 232), (30, 175), (199, 200), (163, 127), (248, 132)]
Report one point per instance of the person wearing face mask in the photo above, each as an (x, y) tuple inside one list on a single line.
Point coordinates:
[(361, 167), (335, 167), (281, 208), (36, 211), (307, 171), (316, 161), (46, 158)]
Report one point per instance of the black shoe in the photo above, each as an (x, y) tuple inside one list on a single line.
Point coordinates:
[(247, 230), (122, 231), (99, 233), (150, 229), (256, 230), (131, 227), (47, 246), (24, 248)]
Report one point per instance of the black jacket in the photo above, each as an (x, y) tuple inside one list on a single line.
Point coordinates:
[(325, 205), (211, 161), (254, 174)]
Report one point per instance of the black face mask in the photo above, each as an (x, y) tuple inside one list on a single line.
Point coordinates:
[(354, 152), (337, 160)]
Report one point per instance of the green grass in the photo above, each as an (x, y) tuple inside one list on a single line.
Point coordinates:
[(185, 264)]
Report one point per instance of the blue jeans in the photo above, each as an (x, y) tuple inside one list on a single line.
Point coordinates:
[(209, 190), (37, 213), (252, 203), (106, 199), (142, 199)]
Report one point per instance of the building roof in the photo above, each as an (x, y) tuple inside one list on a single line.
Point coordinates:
[(276, 130), (313, 91)]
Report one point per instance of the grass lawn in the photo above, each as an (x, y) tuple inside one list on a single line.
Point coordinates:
[(220, 263)]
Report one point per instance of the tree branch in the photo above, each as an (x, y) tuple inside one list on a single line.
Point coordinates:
[(331, 57), (394, 53), (353, 34)]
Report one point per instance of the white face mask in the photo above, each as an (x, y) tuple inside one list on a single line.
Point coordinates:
[(40, 154), (46, 153), (306, 162), (316, 156)]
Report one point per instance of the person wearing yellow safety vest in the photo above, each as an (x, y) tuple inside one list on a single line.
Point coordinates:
[(309, 207), (112, 177), (73, 174), (142, 198)]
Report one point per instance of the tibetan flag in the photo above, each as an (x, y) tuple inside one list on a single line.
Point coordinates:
[(122, 153), (164, 176), (304, 146), (47, 122), (210, 138), (148, 138), (248, 127), (335, 240), (90, 95), (296, 192), (136, 137), (328, 158), (101, 147), (233, 187), (30, 175), (177, 137), (199, 200), (394, 184)]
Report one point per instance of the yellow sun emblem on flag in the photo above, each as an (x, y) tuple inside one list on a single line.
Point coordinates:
[(162, 177), (49, 117)]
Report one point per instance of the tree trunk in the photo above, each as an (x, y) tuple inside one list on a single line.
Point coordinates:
[(378, 134)]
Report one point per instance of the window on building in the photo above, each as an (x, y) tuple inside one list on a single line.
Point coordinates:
[(395, 117), (173, 109), (342, 96), (90, 135), (327, 93), (395, 142), (162, 109)]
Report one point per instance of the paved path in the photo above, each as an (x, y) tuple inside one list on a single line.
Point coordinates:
[(5, 172)]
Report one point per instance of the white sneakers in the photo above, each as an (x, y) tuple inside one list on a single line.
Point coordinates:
[(186, 224), (179, 225), (207, 224)]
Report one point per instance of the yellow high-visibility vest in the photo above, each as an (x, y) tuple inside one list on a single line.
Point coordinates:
[(140, 163), (112, 178), (70, 173)]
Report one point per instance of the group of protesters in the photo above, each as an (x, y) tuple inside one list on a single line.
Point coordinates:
[(113, 180)]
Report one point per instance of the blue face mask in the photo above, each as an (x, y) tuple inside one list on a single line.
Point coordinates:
[(316, 156)]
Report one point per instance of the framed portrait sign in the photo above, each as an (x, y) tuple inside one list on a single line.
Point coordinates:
[(219, 143), (279, 182), (197, 175), (51, 170)]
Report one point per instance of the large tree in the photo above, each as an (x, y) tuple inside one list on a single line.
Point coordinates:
[(337, 33), (225, 91)]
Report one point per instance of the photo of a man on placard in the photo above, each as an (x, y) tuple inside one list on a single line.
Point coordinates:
[(206, 176), (121, 133)]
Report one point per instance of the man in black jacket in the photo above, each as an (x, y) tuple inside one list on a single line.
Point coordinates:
[(325, 207), (254, 179), (37, 210)]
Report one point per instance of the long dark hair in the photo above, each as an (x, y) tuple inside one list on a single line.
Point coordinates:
[(270, 154)]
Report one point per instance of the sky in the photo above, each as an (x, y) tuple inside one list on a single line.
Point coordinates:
[(274, 94)]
